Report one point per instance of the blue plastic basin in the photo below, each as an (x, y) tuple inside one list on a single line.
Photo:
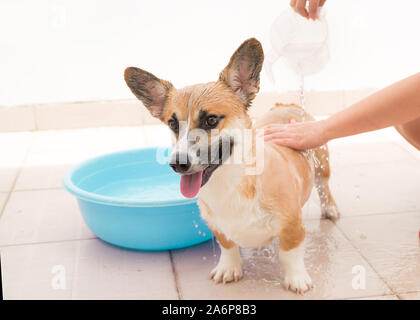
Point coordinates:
[(131, 200)]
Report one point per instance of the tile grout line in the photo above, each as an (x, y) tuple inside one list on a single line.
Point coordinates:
[(174, 272), (367, 261), (76, 260), (39, 189), (412, 159), (408, 292), (46, 242), (370, 296), (20, 168), (350, 216)]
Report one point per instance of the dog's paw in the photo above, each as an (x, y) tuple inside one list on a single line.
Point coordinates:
[(330, 212), (226, 273), (298, 282)]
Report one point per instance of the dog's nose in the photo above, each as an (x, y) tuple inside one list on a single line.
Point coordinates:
[(181, 164)]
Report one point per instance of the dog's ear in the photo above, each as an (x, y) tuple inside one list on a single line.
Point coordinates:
[(242, 74), (149, 89)]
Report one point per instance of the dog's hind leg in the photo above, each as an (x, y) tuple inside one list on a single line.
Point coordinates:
[(291, 255), (329, 208)]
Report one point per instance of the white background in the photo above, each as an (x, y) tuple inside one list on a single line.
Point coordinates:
[(55, 51)]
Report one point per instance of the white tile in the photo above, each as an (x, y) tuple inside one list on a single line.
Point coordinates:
[(158, 135), (88, 114), (409, 148), (28, 271), (131, 112), (324, 102), (74, 145), (42, 177), (147, 118), (13, 148), (356, 169), (387, 134), (377, 188), (42, 215), (19, 118), (54, 152), (390, 243), (329, 261), (7, 176), (316, 102), (344, 154), (103, 271), (353, 96), (87, 269), (2, 200), (264, 101), (410, 296)]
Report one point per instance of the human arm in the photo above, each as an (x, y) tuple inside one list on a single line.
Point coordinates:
[(397, 104)]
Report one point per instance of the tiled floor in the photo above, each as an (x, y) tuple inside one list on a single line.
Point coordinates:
[(47, 252)]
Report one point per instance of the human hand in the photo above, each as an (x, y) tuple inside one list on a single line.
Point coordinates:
[(297, 135), (300, 7)]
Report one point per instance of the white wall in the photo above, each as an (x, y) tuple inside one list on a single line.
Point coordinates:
[(53, 51)]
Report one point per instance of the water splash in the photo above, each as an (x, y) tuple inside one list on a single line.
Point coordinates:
[(308, 154), (214, 250), (302, 96), (262, 264)]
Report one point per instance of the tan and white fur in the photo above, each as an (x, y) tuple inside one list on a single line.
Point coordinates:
[(242, 210)]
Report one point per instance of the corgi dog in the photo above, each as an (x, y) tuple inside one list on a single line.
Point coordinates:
[(242, 207)]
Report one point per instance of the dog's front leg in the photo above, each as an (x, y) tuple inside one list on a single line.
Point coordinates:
[(229, 267)]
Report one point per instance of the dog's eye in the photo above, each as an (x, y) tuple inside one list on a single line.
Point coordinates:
[(173, 124), (212, 121)]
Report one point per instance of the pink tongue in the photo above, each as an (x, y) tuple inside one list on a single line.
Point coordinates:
[(190, 184)]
